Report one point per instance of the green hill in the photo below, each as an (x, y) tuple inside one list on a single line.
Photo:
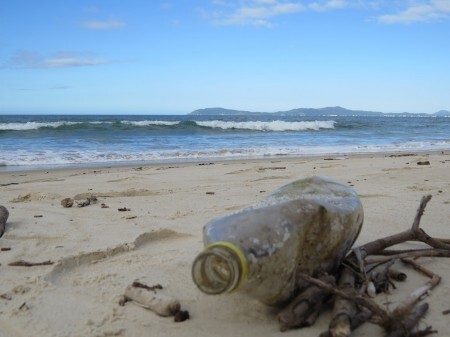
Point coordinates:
[(309, 112)]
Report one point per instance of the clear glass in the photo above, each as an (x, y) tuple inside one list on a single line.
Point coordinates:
[(217, 270), (308, 225)]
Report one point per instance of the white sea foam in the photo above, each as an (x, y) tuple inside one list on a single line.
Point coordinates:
[(38, 125), (33, 125), (270, 126), (24, 158), (147, 123)]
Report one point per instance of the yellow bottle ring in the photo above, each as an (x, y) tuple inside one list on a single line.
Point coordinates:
[(241, 257)]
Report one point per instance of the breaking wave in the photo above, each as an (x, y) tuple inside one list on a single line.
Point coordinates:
[(269, 126), (272, 126)]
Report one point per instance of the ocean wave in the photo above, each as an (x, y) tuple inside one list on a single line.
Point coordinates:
[(273, 126), (149, 123), (277, 125), (27, 126), (33, 125), (37, 158), (67, 158)]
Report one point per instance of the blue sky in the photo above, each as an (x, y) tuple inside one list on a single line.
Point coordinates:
[(172, 57)]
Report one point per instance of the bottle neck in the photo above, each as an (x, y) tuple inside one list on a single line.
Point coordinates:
[(220, 268)]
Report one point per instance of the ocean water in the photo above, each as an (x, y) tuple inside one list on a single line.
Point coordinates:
[(46, 141)]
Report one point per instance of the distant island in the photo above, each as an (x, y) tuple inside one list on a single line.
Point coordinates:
[(311, 112)]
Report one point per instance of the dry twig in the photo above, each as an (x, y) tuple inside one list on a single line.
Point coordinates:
[(351, 309), (305, 308), (22, 263)]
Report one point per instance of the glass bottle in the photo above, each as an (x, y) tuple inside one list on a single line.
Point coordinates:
[(308, 225)]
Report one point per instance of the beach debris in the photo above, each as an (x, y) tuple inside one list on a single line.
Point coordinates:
[(6, 296), (371, 291), (371, 263), (39, 216), (181, 316), (20, 289), (123, 299), (423, 162), (104, 205), (9, 184), (35, 196), (166, 167), (131, 192), (147, 297), (337, 158), (124, 209), (272, 168), (84, 203), (138, 284), (397, 275), (22, 198), (380, 279), (305, 308), (4, 214), (403, 155), (22, 263), (89, 200), (67, 202), (257, 236), (210, 193), (5, 249)]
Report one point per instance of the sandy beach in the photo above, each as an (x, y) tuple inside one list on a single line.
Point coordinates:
[(147, 226)]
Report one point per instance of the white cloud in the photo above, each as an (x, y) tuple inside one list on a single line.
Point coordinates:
[(253, 12), (219, 2), (443, 5), (166, 5), (328, 5), (264, 12), (420, 11), (266, 2), (67, 59), (65, 62), (104, 25), (90, 9), (56, 87)]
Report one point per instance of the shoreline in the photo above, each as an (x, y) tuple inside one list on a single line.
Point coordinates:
[(125, 164), (98, 251)]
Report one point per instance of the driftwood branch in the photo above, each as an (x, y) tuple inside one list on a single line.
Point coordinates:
[(403, 327), (411, 254), (415, 233), (372, 265), (305, 308), (357, 299), (420, 211), (415, 297), (345, 314), (22, 263)]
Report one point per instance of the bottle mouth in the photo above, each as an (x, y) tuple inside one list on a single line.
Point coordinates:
[(220, 268)]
